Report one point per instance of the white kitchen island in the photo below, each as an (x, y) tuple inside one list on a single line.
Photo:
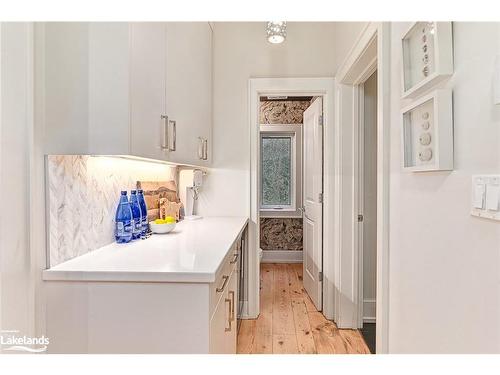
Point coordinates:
[(171, 293)]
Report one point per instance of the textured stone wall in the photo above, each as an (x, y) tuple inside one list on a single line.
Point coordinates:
[(281, 234), (283, 111)]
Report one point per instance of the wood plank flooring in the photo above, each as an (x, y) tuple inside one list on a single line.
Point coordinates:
[(289, 323)]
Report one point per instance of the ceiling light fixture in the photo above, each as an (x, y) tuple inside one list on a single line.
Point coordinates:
[(276, 32)]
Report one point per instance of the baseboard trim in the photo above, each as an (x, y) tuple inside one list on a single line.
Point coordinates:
[(244, 313), (281, 256), (369, 310)]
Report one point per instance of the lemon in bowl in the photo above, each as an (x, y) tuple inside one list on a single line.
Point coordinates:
[(162, 226)]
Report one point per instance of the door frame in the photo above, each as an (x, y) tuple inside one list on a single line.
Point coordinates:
[(371, 52), (359, 193), (301, 87), (359, 186)]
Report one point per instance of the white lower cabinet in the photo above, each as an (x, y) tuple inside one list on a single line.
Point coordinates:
[(121, 317)]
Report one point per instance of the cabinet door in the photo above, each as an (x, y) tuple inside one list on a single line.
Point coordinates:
[(231, 335), (221, 326), (108, 99), (62, 71), (189, 88), (83, 78), (147, 89)]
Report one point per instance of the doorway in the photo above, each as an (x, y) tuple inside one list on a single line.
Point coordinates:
[(370, 53), (367, 208), (311, 87), (281, 316), (291, 186)]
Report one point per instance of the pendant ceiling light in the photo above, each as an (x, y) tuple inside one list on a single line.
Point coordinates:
[(276, 32)]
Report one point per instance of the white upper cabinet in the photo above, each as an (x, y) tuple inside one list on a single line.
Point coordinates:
[(140, 89), (61, 56), (189, 89), (147, 90), (108, 88)]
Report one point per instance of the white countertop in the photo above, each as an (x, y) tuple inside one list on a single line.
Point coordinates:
[(192, 252)]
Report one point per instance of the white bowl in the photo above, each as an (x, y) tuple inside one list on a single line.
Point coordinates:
[(161, 228)]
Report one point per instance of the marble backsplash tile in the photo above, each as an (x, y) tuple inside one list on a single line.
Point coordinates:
[(281, 234), (83, 192)]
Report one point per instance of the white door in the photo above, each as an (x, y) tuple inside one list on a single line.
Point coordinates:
[(313, 206)]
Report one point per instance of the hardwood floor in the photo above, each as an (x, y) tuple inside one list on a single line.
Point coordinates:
[(289, 323)]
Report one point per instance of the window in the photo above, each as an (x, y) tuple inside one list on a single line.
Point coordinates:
[(280, 170), (276, 164)]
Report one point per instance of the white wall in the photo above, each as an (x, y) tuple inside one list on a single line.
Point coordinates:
[(346, 34), (15, 133), (241, 51), (444, 264)]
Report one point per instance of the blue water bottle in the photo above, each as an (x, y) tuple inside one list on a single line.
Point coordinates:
[(136, 215), (144, 211), (123, 220)]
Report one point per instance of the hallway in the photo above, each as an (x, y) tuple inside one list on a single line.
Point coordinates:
[(289, 323)]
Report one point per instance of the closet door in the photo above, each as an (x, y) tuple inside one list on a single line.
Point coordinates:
[(147, 90), (189, 91)]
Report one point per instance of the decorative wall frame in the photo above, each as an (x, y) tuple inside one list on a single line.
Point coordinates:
[(427, 134), (427, 49)]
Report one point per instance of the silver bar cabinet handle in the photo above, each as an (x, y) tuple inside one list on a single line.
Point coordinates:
[(164, 133), (231, 293), (205, 149), (221, 289), (174, 135), (235, 259), (227, 300)]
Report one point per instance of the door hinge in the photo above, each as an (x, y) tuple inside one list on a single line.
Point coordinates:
[(320, 120), (320, 197), (320, 276), (360, 218)]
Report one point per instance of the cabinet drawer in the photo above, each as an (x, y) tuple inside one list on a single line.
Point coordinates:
[(221, 283)]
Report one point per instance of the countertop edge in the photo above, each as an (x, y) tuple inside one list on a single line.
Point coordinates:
[(140, 276)]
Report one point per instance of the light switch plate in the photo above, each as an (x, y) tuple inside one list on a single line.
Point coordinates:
[(478, 191), (486, 196), (492, 197)]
